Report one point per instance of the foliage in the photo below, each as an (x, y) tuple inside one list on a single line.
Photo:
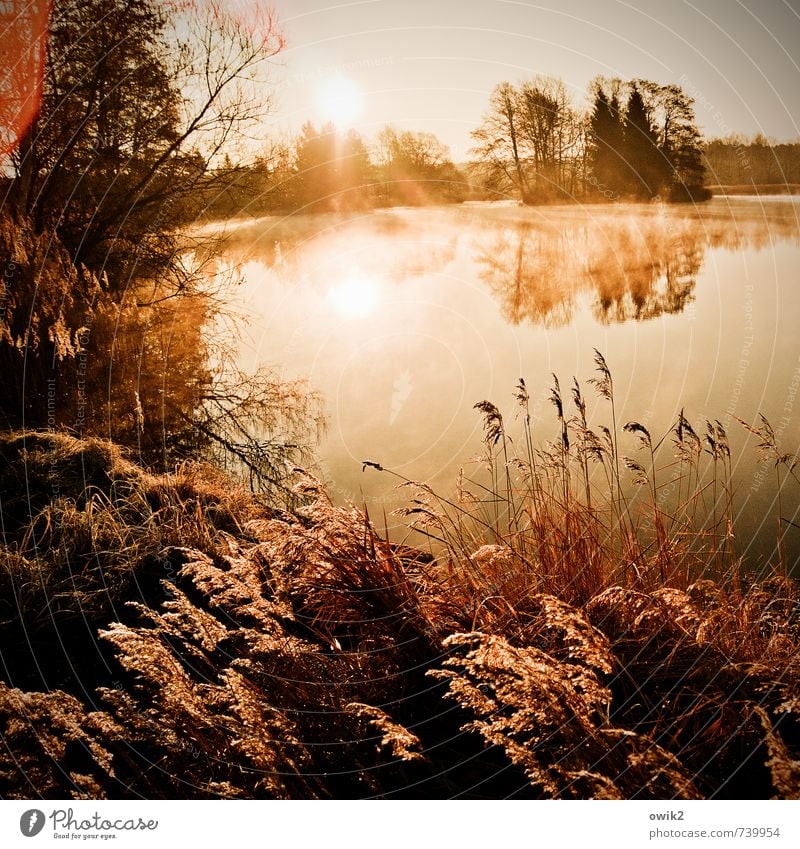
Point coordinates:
[(571, 520), (332, 171), (741, 162), (650, 149), (606, 142), (415, 168), (325, 169), (531, 140), (678, 140), (173, 634), (138, 100), (260, 187), (534, 143)]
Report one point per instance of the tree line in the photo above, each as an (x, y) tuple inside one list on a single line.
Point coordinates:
[(638, 141), (739, 161), (327, 169)]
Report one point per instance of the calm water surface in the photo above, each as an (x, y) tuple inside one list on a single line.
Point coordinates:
[(405, 318)]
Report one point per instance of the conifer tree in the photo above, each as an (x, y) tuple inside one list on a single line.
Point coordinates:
[(606, 145), (646, 163)]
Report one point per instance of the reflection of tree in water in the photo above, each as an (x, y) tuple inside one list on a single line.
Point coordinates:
[(525, 270), (630, 266), (643, 272), (538, 274)]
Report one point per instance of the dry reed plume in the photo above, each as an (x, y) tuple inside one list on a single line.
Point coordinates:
[(176, 636)]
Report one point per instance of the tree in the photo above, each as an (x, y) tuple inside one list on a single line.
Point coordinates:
[(498, 145), (416, 168), (23, 51), (679, 141), (532, 140), (606, 145), (656, 148), (138, 101), (356, 175), (645, 160), (551, 134), (727, 161), (255, 188), (332, 171)]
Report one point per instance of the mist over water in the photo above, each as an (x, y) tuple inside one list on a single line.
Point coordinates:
[(405, 318)]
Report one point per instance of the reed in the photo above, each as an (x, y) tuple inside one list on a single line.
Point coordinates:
[(570, 633), (669, 520)]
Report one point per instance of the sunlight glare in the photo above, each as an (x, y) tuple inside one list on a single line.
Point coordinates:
[(340, 101), (354, 297)]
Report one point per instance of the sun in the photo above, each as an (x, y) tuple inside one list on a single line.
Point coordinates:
[(340, 101)]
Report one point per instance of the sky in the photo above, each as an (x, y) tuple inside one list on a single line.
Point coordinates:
[(431, 64)]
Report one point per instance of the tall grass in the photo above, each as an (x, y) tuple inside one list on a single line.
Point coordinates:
[(577, 515), (571, 633)]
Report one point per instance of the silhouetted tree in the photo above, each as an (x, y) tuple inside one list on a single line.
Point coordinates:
[(498, 144), (333, 171), (739, 161), (662, 145), (606, 145), (139, 98), (646, 162), (356, 175), (416, 168), (679, 141), (551, 133)]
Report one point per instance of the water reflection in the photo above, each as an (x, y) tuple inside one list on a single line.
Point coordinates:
[(385, 246), (622, 267), (403, 319), (541, 266)]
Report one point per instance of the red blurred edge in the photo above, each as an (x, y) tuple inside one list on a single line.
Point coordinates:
[(23, 52)]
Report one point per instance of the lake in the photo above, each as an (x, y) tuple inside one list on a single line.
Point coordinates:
[(405, 318)]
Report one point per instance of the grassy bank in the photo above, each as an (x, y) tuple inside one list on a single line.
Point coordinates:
[(174, 636)]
